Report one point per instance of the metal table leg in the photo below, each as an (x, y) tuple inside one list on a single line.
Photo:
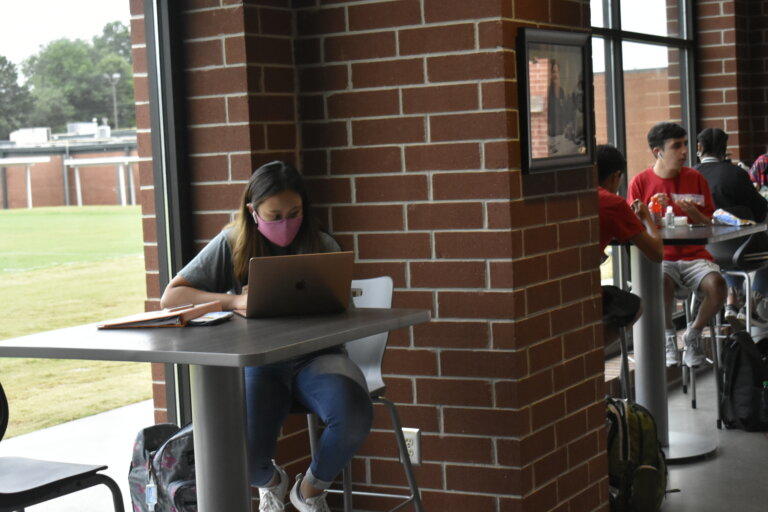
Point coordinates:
[(218, 413), (650, 366), (650, 369)]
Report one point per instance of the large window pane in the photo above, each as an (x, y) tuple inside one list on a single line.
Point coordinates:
[(71, 245), (657, 17), (600, 90), (652, 94), (597, 13)]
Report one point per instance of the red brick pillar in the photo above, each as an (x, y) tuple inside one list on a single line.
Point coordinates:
[(407, 126), (732, 76)]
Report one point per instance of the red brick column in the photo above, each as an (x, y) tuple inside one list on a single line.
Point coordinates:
[(733, 52), (406, 118), (409, 129)]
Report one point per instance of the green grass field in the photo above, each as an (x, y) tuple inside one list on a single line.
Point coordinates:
[(61, 267)]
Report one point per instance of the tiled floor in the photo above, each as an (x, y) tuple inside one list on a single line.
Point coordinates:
[(734, 479)]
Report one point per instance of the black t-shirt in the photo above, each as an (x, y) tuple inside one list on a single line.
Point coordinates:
[(732, 189)]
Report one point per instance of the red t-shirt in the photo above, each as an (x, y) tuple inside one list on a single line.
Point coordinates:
[(689, 181), (617, 220)]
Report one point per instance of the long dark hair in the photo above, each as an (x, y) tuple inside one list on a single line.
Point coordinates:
[(246, 240)]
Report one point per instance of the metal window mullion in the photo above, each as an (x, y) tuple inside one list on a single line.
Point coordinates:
[(174, 235), (640, 37), (617, 132), (688, 84)]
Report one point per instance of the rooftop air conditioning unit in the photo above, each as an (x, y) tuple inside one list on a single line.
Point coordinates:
[(86, 129), (27, 136)]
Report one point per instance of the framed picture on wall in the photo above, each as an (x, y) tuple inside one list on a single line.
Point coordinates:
[(555, 81)]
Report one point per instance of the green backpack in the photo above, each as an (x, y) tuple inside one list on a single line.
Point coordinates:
[(637, 469)]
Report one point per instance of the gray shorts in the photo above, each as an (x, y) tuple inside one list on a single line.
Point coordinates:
[(687, 275)]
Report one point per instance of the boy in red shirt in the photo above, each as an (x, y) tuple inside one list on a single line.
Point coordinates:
[(624, 224), (687, 268)]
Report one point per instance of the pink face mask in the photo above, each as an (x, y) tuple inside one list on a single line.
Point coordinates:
[(279, 232)]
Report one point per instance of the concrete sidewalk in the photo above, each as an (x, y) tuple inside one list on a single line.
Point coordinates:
[(102, 439)]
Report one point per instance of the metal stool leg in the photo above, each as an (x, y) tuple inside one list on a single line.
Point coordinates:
[(346, 478), (312, 426), (692, 378), (748, 299), (626, 390), (396, 425), (716, 369)]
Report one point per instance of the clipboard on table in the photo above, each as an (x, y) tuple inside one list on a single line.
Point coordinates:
[(174, 317)]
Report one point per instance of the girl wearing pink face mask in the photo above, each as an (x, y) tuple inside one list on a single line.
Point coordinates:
[(274, 218)]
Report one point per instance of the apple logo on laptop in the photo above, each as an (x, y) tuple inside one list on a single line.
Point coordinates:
[(301, 285)]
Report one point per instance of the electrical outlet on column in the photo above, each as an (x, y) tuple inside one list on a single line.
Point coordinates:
[(413, 444)]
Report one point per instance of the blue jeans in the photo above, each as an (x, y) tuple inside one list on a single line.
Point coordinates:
[(759, 282), (328, 384)]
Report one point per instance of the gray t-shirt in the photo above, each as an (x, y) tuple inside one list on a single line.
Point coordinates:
[(212, 269)]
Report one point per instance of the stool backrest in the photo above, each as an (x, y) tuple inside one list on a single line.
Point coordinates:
[(368, 352)]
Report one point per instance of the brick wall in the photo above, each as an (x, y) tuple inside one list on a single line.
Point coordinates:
[(403, 116), (99, 184), (732, 82), (408, 118)]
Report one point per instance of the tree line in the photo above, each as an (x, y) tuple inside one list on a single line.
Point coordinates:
[(70, 81)]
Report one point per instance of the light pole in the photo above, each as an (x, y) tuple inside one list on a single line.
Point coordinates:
[(113, 79)]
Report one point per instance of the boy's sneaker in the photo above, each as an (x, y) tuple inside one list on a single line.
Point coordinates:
[(672, 354), (271, 498), (316, 504), (742, 316), (732, 317), (761, 308), (692, 354)]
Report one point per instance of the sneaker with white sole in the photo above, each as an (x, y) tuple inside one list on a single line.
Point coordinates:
[(692, 353), (314, 504), (672, 354), (271, 498), (731, 313)]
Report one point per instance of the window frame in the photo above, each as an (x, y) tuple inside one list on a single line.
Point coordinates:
[(175, 236), (613, 37)]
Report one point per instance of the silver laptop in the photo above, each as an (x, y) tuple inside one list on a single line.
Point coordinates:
[(300, 284)]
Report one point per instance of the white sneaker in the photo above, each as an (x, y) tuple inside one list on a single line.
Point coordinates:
[(271, 498), (761, 308), (731, 313), (672, 354), (316, 504), (692, 354)]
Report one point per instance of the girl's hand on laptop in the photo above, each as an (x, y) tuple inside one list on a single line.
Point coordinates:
[(241, 301)]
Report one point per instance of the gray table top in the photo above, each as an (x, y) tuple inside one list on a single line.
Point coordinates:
[(238, 342), (702, 235)]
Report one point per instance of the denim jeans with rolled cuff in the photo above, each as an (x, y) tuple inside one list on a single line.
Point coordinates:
[(328, 384)]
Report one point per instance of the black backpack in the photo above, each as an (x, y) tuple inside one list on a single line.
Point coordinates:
[(743, 401), (162, 474)]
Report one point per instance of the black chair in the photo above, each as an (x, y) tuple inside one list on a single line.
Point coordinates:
[(739, 257), (26, 482), (619, 311)]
